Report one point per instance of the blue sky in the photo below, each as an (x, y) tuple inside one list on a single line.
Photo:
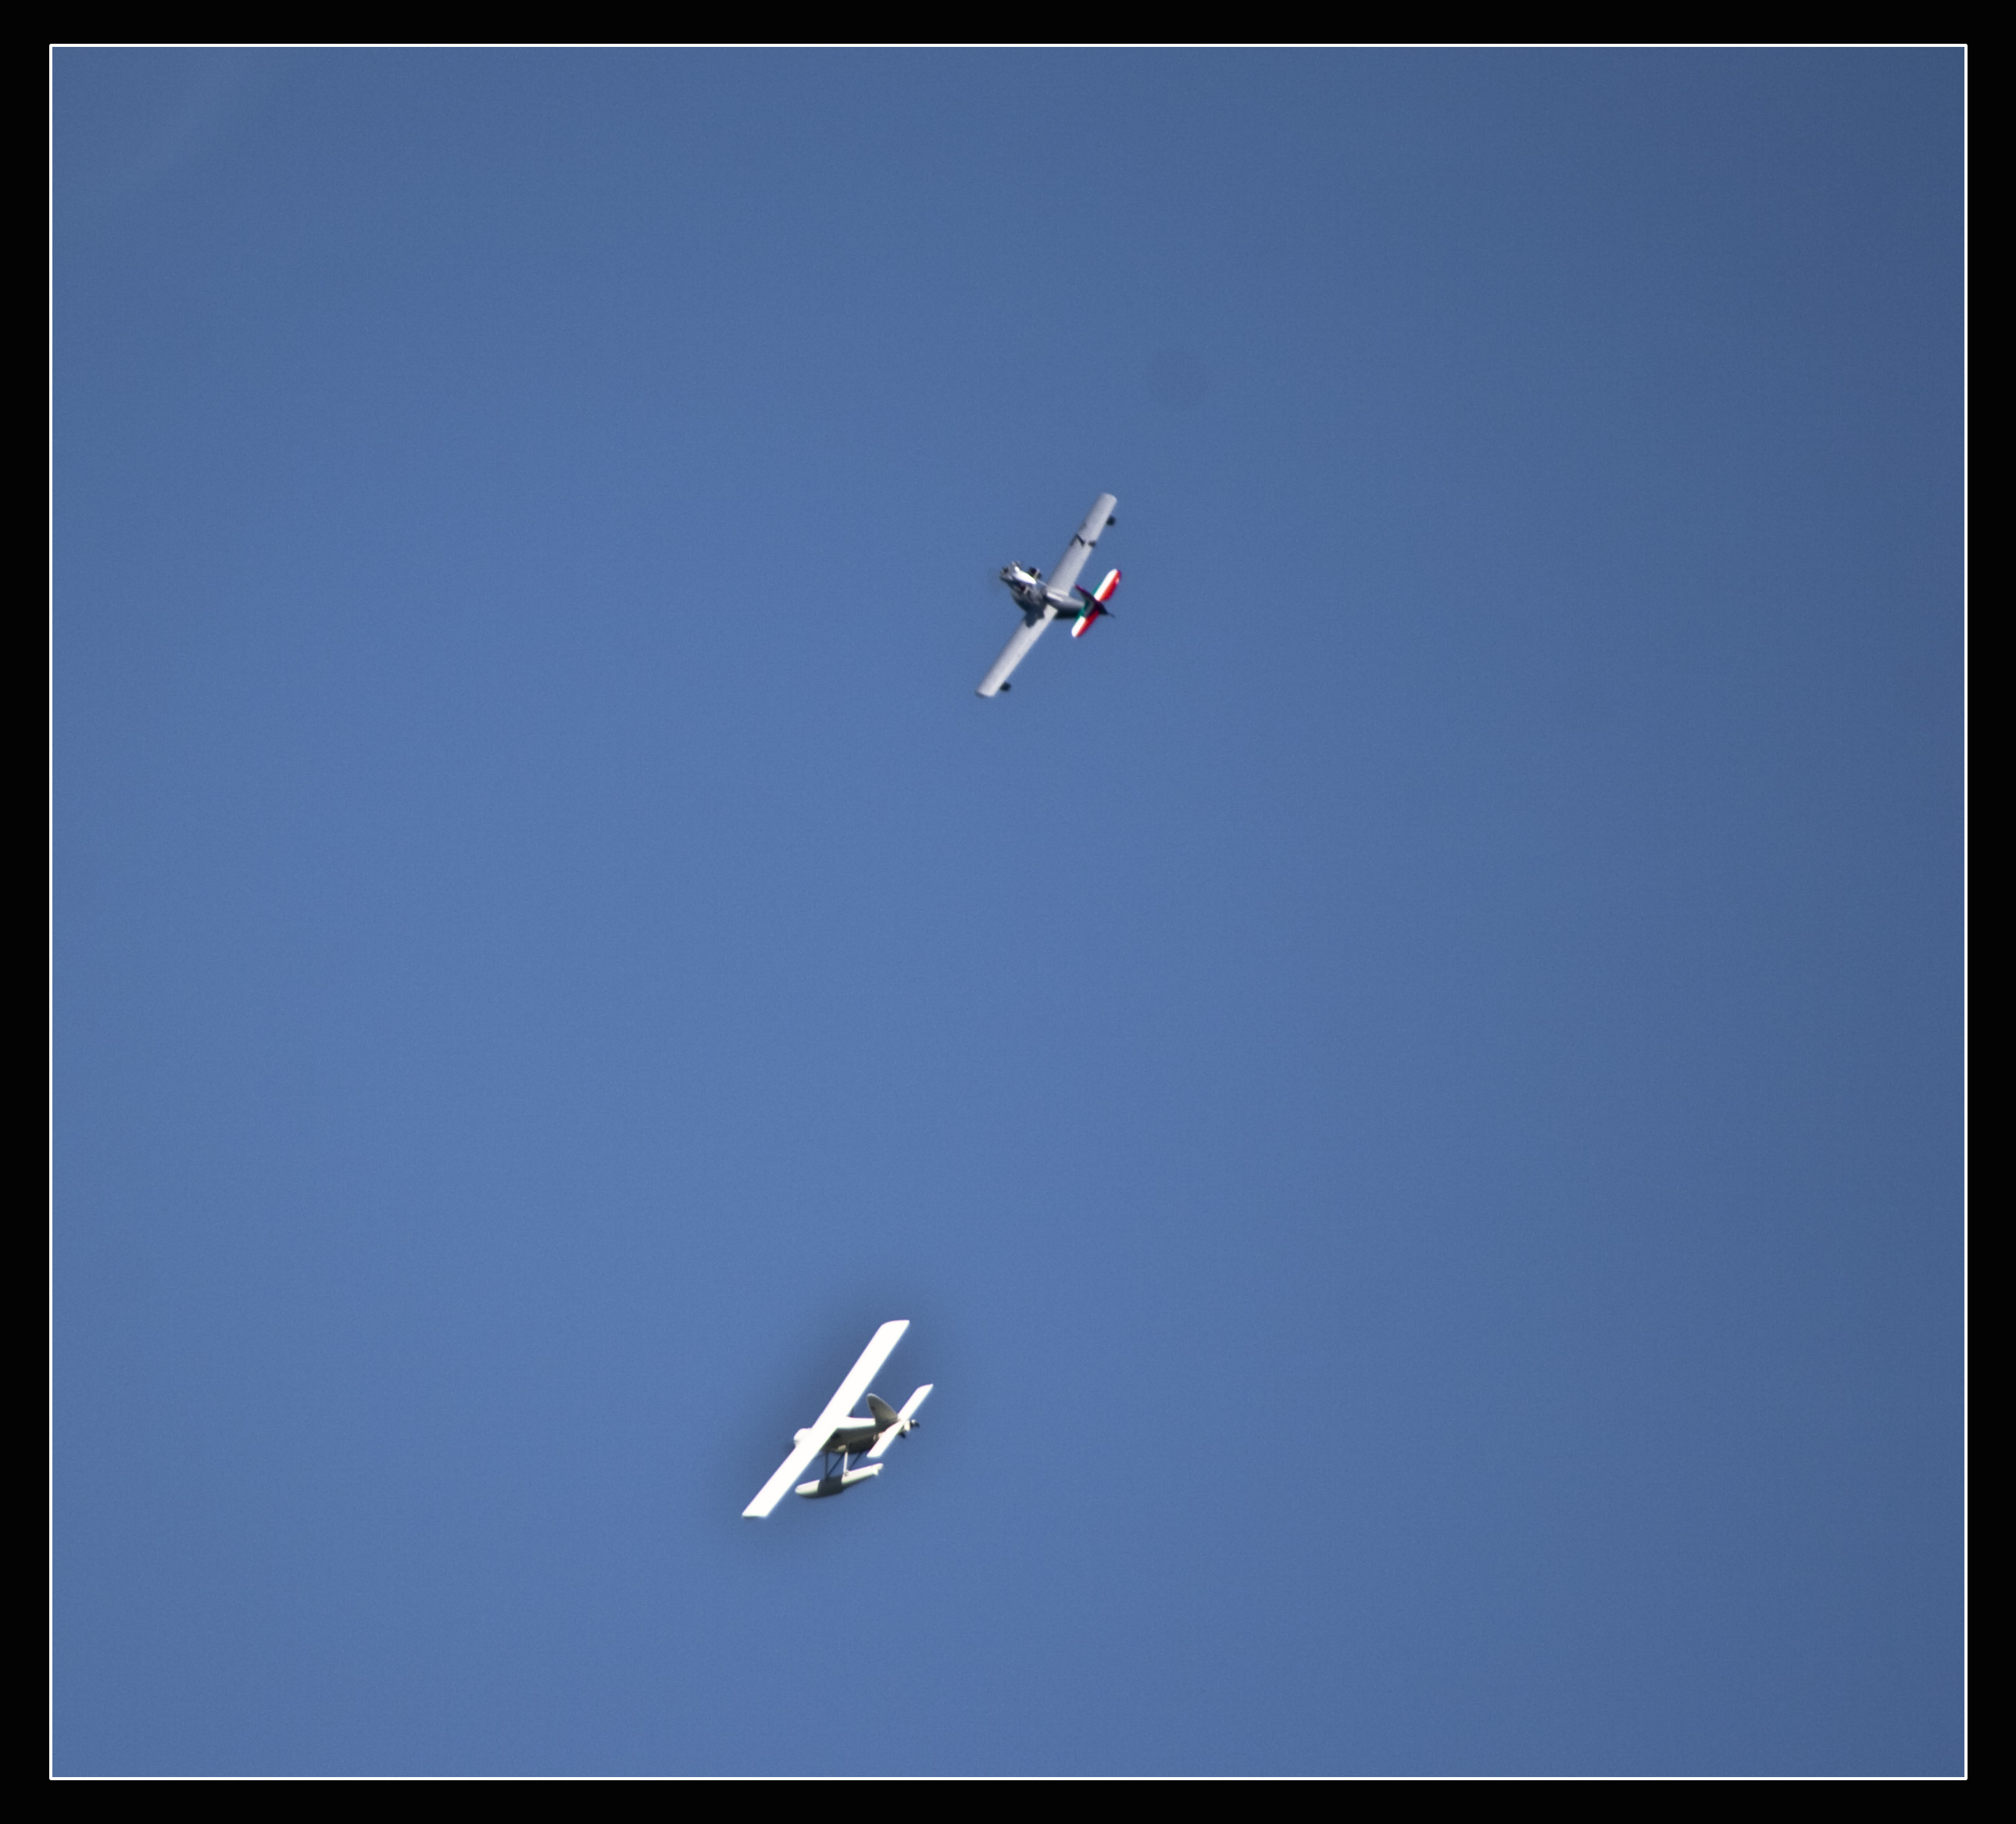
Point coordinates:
[(1409, 1084)]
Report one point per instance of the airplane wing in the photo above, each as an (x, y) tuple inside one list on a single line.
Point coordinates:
[(779, 1485), (895, 1431), (1079, 549), (836, 1408), (1013, 654)]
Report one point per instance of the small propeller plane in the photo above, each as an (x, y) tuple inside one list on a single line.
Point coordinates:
[(835, 1436), (1042, 602)]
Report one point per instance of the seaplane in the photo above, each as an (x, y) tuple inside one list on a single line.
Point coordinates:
[(838, 1438), (1040, 602)]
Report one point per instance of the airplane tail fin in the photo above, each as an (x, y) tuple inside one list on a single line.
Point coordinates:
[(905, 1421), (884, 1413)]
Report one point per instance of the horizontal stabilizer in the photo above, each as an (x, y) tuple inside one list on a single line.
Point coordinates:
[(1094, 601), (905, 1419)]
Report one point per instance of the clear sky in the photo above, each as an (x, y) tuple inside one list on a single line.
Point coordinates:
[(1410, 1084)]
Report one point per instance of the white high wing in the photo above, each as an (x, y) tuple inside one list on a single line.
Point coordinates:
[(837, 1434), (1042, 602)]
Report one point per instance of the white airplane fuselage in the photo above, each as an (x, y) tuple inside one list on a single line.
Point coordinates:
[(1031, 596), (851, 1440)]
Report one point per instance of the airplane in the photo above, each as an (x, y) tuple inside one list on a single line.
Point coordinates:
[(1042, 602), (837, 1434)]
